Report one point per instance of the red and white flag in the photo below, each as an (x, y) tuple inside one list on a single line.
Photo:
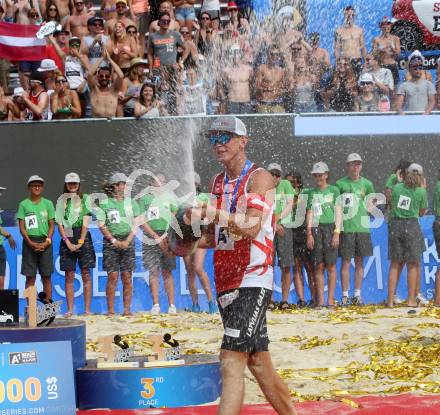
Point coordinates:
[(19, 42)]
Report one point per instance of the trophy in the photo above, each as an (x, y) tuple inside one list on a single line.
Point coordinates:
[(182, 240)]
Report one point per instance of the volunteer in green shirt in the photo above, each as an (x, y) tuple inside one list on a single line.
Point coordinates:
[(436, 232), (405, 238), (73, 217), (117, 217), (324, 217), (301, 254), (355, 237), (195, 263), (8, 236), (283, 241), (158, 208), (36, 222)]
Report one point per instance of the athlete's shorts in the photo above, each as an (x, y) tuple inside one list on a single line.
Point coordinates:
[(300, 244), (355, 244), (2, 261), (322, 251), (185, 13), (85, 256), (37, 262), (405, 240), (436, 232), (243, 312), (284, 249), (116, 259)]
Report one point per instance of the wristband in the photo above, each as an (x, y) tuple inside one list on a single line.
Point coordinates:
[(337, 230), (49, 241), (113, 240), (80, 241), (65, 238)]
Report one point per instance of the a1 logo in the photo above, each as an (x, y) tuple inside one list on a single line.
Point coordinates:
[(404, 202)]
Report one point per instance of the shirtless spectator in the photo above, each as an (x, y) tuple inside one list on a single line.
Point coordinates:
[(77, 23), (270, 81), (350, 42), (121, 17), (382, 77), (108, 9), (93, 44), (387, 48), (165, 7), (298, 49), (104, 94), (64, 102), (236, 84), (25, 10), (36, 100), (124, 48), (319, 57), (9, 10), (417, 94)]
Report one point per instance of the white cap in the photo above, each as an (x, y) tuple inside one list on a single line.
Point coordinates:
[(35, 178), (18, 92), (274, 166), (353, 157), (320, 168), (365, 77), (416, 168), (197, 178), (72, 178), (415, 55), (118, 177), (47, 65), (229, 124)]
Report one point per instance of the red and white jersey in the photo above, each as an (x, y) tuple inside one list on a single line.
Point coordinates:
[(243, 262)]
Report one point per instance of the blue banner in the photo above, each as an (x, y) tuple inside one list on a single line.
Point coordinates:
[(37, 378), (374, 286)]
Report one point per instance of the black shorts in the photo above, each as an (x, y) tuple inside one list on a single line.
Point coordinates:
[(405, 240), (243, 313), (153, 257), (284, 249), (322, 251), (2, 261), (34, 263), (300, 244), (85, 256), (436, 233), (116, 259), (355, 244)]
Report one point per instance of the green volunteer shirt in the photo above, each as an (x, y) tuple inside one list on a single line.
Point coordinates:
[(322, 203), (73, 214), (158, 210), (36, 216), (118, 215), (406, 202), (391, 182), (436, 204), (353, 197), (283, 194)]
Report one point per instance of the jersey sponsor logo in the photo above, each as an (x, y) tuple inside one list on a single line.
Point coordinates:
[(232, 332), (166, 41), (256, 314), (348, 200), (153, 213), (113, 216), (31, 222), (404, 202), (224, 240)]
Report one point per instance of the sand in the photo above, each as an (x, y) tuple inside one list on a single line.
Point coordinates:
[(319, 353)]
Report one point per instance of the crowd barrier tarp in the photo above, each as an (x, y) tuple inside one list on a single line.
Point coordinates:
[(374, 285)]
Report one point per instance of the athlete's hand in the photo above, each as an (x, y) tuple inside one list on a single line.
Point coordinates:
[(310, 242), (280, 231), (335, 240)]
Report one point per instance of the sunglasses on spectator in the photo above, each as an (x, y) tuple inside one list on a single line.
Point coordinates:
[(79, 3), (417, 67), (275, 173), (131, 32), (52, 9), (61, 81), (295, 49), (104, 76), (366, 83), (164, 21), (184, 32), (342, 63), (220, 139), (206, 18), (33, 15)]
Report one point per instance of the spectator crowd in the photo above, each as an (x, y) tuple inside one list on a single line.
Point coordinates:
[(143, 58)]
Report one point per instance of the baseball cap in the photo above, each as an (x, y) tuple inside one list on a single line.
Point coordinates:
[(35, 178), (72, 178), (118, 177), (415, 55), (121, 1), (274, 166), (18, 92), (94, 19), (232, 5), (229, 124), (58, 32), (320, 168), (47, 65), (197, 178), (353, 157), (416, 168), (75, 39), (138, 61), (365, 77), (386, 20), (36, 77)]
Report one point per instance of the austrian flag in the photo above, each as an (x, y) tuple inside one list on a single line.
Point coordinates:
[(20, 43)]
